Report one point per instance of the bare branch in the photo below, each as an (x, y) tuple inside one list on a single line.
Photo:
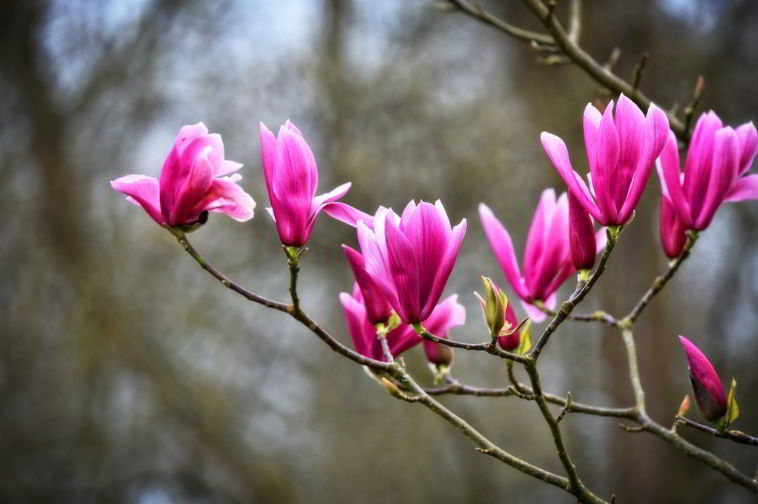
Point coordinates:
[(732, 435)]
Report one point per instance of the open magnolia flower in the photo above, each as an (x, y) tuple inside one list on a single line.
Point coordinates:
[(411, 257), (291, 180), (195, 179), (547, 254), (621, 150)]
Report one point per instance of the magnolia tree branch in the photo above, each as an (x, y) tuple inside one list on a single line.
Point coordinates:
[(484, 445), (568, 44), (660, 282), (520, 34), (489, 347), (732, 435)]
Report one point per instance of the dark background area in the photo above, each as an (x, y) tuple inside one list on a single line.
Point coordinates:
[(128, 375)]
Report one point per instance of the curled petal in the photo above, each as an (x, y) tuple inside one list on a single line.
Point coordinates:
[(744, 188), (606, 176), (558, 154), (538, 237), (227, 197), (748, 145), (403, 268), (581, 235), (143, 191), (669, 169), (447, 262), (348, 214)]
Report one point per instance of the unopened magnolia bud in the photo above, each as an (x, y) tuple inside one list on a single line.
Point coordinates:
[(494, 304), (684, 406), (707, 389)]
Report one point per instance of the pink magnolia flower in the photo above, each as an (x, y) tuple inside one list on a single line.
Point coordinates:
[(547, 254), (195, 179), (671, 229), (363, 332), (411, 257), (291, 179), (378, 308), (446, 315), (717, 160), (621, 151), (706, 385)]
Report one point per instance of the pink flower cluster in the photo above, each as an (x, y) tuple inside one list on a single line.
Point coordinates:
[(405, 259)]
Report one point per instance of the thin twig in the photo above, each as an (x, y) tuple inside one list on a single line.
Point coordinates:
[(689, 110), (659, 283), (297, 314), (581, 291), (489, 347), (577, 486), (535, 39), (597, 316), (732, 435), (638, 69), (566, 408)]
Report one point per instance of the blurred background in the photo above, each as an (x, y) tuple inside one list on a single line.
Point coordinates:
[(129, 375)]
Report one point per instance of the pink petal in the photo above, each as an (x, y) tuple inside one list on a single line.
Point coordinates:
[(404, 269), (556, 253), (671, 230), (376, 265), (534, 313), (669, 165), (630, 124), (231, 200), (377, 307), (445, 267), (402, 338), (426, 233), (581, 235), (601, 239), (317, 204), (228, 167), (748, 145), (744, 188), (310, 158), (348, 214), (558, 154), (706, 384), (143, 191), (174, 170), (538, 236), (699, 164), (446, 315), (361, 331), (592, 117), (606, 179), (723, 173), (502, 247), (656, 136), (196, 185)]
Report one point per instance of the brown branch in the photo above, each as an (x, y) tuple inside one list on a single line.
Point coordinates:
[(535, 39), (489, 347), (732, 435), (659, 283), (294, 311), (594, 69)]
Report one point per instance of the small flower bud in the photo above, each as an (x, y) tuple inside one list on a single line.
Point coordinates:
[(707, 389), (684, 406), (494, 304)]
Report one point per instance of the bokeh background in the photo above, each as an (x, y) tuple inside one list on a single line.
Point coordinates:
[(129, 375)]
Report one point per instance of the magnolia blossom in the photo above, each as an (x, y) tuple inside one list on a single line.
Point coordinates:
[(195, 179), (446, 315), (714, 171), (291, 180), (411, 257), (706, 385), (621, 150), (547, 254), (363, 332)]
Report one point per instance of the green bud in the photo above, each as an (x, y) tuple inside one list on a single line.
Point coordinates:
[(494, 304)]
